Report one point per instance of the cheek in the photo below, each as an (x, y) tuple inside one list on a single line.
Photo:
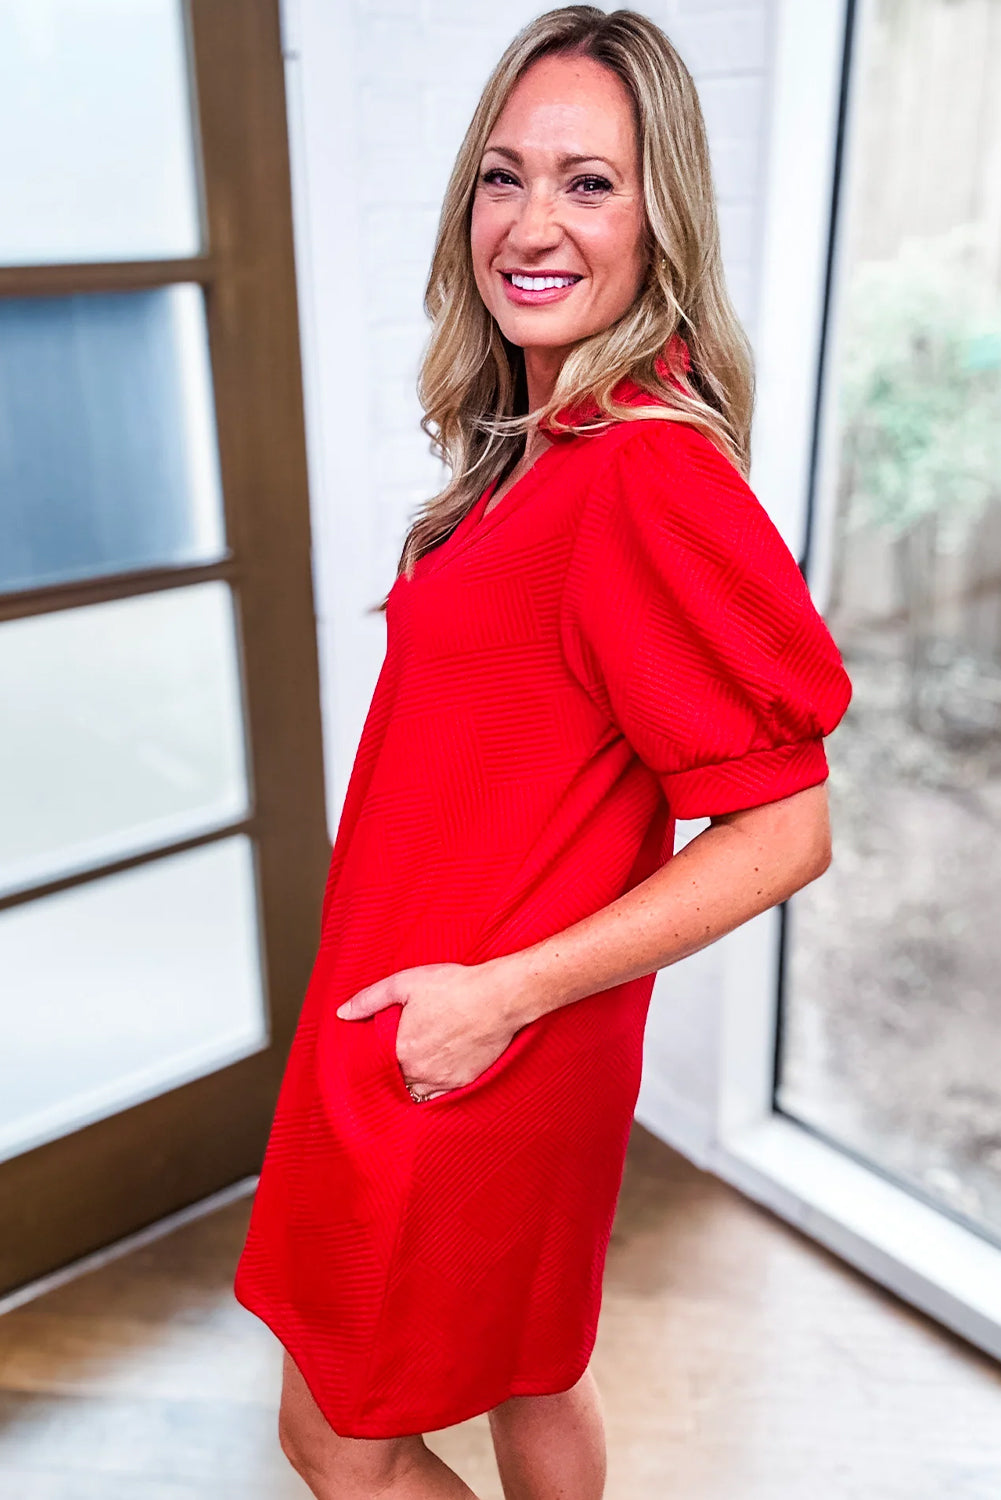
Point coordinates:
[(485, 233), (480, 254), (615, 253)]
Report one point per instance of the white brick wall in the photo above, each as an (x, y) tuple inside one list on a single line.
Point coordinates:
[(380, 92)]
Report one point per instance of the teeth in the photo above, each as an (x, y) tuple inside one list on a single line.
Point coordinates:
[(541, 283)]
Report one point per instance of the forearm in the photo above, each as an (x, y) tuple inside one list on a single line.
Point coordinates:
[(723, 877)]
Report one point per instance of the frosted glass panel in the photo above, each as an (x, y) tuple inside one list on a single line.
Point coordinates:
[(116, 991), (96, 155), (107, 435), (122, 730)]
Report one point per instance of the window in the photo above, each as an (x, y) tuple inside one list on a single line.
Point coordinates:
[(891, 1016)]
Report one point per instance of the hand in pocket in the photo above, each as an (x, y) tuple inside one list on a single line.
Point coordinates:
[(454, 1024)]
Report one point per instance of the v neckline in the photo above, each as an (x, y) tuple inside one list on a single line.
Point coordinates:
[(476, 524), (481, 517)]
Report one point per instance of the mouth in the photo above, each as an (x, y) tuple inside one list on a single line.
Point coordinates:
[(532, 289)]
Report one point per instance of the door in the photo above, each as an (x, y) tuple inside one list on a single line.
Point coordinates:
[(162, 830)]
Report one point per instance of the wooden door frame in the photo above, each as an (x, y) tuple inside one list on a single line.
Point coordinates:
[(86, 1189)]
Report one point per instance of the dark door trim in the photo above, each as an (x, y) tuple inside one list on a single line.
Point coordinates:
[(89, 1188)]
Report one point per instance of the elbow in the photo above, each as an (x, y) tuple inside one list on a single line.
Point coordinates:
[(810, 864), (811, 847), (824, 856), (818, 853)]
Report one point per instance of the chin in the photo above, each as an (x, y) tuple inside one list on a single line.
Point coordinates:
[(530, 341), (537, 333)]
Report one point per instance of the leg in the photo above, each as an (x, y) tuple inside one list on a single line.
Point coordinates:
[(552, 1447), (344, 1468)]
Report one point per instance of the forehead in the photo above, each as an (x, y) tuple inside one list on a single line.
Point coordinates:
[(570, 105)]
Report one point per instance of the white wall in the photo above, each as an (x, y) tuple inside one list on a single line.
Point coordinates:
[(380, 92)]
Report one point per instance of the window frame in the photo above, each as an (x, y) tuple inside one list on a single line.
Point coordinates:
[(902, 1242)]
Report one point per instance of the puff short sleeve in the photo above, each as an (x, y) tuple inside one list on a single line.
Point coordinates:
[(687, 620)]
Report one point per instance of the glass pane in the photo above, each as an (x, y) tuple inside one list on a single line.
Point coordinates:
[(122, 730), (119, 990), (107, 436), (892, 1021), (96, 150)]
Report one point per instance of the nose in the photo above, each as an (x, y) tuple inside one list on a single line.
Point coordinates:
[(537, 228)]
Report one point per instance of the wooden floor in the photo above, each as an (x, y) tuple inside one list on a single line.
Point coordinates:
[(737, 1361)]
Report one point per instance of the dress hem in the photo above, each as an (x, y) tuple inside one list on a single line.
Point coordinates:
[(361, 1429)]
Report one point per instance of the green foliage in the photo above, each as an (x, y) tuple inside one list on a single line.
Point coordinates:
[(920, 391)]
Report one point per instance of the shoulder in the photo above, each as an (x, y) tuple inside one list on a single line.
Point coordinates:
[(664, 507), (672, 453), (658, 449), (659, 472)]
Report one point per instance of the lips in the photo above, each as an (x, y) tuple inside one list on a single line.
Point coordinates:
[(538, 288)]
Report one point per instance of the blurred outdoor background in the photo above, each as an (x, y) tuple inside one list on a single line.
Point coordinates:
[(892, 1037)]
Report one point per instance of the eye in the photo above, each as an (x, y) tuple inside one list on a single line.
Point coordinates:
[(494, 176), (591, 184)]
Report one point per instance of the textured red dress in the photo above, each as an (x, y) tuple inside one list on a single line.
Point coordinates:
[(623, 640)]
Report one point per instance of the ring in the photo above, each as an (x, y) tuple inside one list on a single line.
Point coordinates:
[(417, 1098)]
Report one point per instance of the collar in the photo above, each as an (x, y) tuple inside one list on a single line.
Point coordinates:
[(626, 392)]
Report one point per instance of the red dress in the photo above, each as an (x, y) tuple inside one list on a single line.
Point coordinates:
[(623, 640)]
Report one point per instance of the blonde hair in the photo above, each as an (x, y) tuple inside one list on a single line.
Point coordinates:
[(469, 380)]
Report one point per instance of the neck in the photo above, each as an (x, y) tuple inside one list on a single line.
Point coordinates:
[(542, 366)]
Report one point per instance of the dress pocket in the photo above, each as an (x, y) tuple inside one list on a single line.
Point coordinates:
[(387, 1023)]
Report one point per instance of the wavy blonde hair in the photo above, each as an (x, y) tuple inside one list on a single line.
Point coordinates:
[(472, 379)]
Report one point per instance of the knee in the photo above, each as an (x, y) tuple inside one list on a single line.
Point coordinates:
[(292, 1441), (351, 1468), (296, 1445)]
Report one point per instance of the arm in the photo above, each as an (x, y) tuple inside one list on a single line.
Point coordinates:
[(457, 1019), (742, 864), (710, 659)]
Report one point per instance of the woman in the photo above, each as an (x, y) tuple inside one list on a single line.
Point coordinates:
[(595, 630)]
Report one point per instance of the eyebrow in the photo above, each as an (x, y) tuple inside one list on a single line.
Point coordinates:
[(564, 161)]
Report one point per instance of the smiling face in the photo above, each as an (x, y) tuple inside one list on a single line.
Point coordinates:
[(558, 224)]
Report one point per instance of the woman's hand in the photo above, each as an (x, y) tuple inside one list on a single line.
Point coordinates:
[(453, 1025)]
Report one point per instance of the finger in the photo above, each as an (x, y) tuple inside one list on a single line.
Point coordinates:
[(373, 998)]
